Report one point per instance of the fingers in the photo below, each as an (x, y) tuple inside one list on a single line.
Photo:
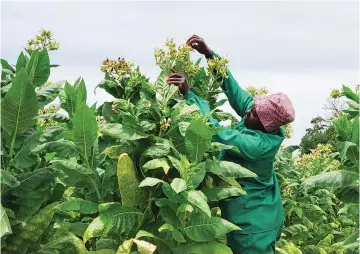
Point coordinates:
[(195, 42), (175, 80), (176, 75), (192, 37)]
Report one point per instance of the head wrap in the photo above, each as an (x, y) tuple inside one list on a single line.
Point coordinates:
[(274, 110)]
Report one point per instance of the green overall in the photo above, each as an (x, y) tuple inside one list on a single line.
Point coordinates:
[(259, 214)]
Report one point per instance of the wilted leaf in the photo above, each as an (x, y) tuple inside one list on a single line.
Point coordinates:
[(150, 181), (157, 163)]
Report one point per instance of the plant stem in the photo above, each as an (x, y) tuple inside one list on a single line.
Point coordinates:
[(11, 153), (96, 189), (92, 182)]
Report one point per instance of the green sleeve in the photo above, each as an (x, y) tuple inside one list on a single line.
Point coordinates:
[(248, 142), (240, 100)]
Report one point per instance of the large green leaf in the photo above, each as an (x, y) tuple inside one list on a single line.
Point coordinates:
[(23, 158), (216, 194), (342, 127), (164, 91), (19, 106), (331, 180), (168, 211), (63, 148), (178, 185), (6, 69), (131, 129), (182, 110), (215, 146), (74, 174), (294, 230), (228, 169), (8, 179), (170, 193), (198, 199), (201, 228), (64, 243), (114, 220), (350, 94), (5, 227), (106, 243), (80, 90), (71, 165), (312, 249), (79, 205), (39, 67), (127, 131), (33, 191), (348, 194), (85, 129), (46, 94), (158, 150), (176, 234), (197, 140), (350, 151), (162, 246), (355, 131), (195, 175), (31, 232), (50, 133), (289, 247), (208, 248), (21, 61)]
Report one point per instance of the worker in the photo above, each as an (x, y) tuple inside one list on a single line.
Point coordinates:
[(258, 137)]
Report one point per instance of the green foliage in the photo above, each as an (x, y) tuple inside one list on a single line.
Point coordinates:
[(320, 133), (139, 174)]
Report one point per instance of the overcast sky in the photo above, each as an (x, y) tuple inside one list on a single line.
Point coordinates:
[(300, 48)]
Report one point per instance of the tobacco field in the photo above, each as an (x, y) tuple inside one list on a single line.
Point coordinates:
[(140, 174)]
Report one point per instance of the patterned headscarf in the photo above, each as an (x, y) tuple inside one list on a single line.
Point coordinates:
[(274, 110)]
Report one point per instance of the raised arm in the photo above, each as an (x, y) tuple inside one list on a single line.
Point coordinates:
[(248, 143), (239, 99)]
